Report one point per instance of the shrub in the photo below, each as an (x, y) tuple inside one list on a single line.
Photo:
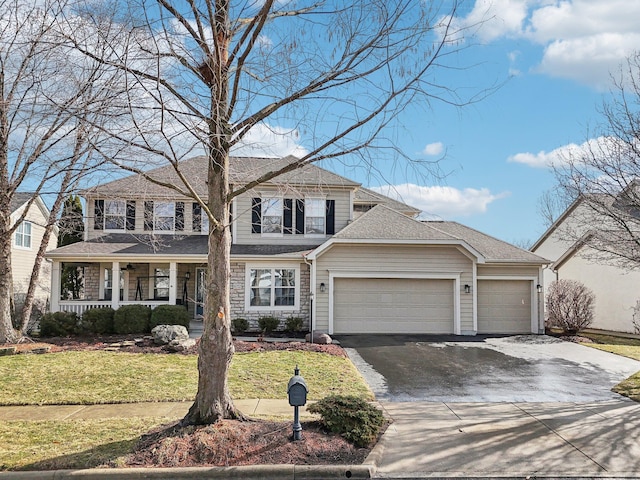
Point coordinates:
[(98, 320), (268, 324), (131, 319), (352, 417), (239, 325), (169, 315), (570, 305), (59, 324), (294, 324)]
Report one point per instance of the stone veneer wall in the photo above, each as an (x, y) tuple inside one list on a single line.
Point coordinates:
[(238, 297), (92, 282)]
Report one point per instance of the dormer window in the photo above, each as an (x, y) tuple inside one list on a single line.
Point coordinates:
[(23, 235)]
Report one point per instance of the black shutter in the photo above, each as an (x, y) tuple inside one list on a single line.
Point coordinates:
[(299, 216), (288, 216), (196, 214), (179, 216), (98, 222), (331, 217), (148, 215), (256, 215), (131, 215)]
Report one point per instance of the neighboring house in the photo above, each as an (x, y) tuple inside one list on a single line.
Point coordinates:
[(310, 244), (25, 245), (616, 289)]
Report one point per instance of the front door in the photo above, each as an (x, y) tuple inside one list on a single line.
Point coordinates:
[(200, 286)]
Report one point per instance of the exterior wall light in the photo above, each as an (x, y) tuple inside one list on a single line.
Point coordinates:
[(187, 275), (539, 288), (467, 288), (323, 287)]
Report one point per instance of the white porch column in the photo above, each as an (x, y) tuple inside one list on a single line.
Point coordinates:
[(115, 287), (173, 283), (54, 303)]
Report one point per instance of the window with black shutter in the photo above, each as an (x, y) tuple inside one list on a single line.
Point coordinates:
[(331, 217), (179, 224), (256, 215), (98, 221), (131, 215), (148, 215)]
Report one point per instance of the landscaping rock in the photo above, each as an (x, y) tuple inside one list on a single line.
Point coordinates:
[(319, 337), (180, 345), (163, 334), (7, 351)]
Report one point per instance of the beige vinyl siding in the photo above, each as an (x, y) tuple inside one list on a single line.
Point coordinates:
[(398, 261), (22, 259), (243, 215), (509, 270)]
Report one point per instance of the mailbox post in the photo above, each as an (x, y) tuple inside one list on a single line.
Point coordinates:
[(297, 391)]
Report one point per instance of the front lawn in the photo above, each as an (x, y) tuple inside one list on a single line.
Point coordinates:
[(93, 377), (627, 347)]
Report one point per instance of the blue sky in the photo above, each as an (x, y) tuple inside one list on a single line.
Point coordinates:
[(555, 58)]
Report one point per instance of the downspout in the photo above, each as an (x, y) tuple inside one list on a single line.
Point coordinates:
[(312, 289)]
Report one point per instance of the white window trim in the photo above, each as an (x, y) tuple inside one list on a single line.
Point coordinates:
[(268, 308), (271, 234), (104, 216), (15, 236), (173, 226), (315, 235), (152, 280)]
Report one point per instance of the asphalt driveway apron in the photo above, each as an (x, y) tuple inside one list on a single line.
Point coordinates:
[(522, 368), (516, 406)]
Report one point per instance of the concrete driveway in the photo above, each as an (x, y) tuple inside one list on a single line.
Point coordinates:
[(523, 368)]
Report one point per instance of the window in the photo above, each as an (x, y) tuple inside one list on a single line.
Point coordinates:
[(164, 216), (108, 284), (272, 287), (115, 214), (161, 284), (23, 235), (200, 220), (314, 212), (271, 215)]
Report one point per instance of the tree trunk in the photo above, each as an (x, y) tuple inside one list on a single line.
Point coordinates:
[(213, 401), (7, 333)]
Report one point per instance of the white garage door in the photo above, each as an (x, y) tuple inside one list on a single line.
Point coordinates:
[(504, 306), (392, 305)]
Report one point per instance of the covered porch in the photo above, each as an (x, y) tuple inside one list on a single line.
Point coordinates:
[(117, 283)]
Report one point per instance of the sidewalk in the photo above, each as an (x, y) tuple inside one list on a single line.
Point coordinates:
[(254, 407)]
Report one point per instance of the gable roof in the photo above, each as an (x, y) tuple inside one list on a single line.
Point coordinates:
[(242, 171), (384, 223), (20, 198), (493, 249), (365, 196)]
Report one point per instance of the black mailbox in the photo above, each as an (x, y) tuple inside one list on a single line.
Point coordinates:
[(297, 390)]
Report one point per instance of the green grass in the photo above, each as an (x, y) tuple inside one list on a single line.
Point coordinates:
[(52, 445), (110, 377), (627, 347)]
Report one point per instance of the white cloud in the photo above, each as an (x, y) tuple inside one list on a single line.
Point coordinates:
[(433, 149), (583, 40), (441, 201), (561, 155), (264, 140)]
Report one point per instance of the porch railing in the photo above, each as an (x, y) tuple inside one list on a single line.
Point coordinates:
[(81, 306)]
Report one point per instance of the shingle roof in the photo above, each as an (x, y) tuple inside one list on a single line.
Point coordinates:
[(242, 171), (491, 248), (369, 197), (384, 223), (19, 199), (174, 245)]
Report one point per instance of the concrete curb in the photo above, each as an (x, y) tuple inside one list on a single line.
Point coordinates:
[(505, 476), (258, 472)]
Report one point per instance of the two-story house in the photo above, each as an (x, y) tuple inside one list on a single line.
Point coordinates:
[(309, 243), (26, 242)]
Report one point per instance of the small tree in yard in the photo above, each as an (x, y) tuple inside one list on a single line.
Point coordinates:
[(570, 305)]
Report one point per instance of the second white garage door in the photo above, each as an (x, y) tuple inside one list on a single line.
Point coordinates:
[(504, 306), (393, 305)]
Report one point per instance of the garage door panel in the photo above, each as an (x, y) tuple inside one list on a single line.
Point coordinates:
[(370, 305), (504, 306)]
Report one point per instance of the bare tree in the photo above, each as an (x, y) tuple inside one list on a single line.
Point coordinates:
[(205, 75), (46, 128), (604, 178), (551, 205), (570, 305)]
